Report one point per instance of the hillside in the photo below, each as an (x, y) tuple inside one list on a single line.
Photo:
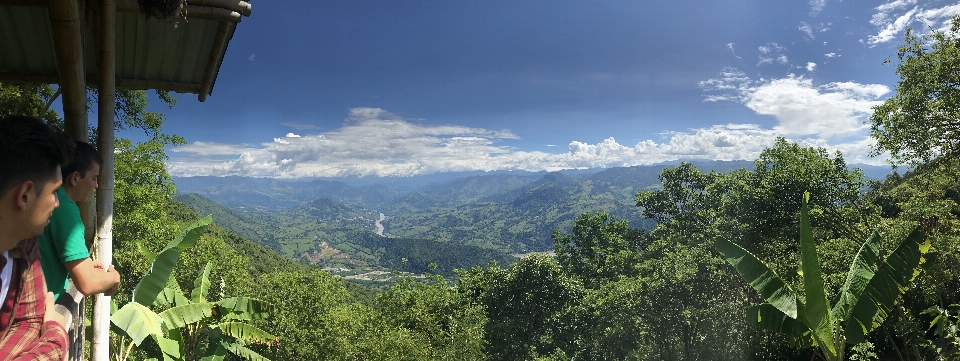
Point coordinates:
[(329, 234)]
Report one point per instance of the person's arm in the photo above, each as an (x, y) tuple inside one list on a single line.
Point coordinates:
[(91, 279), (51, 345)]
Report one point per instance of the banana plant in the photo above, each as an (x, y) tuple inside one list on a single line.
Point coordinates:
[(188, 328), (869, 294)]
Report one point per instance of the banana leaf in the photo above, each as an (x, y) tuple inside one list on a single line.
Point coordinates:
[(244, 308), (816, 309), (862, 270), (181, 316), (763, 279), (156, 278), (767, 317), (170, 348), (201, 286), (247, 333), (137, 321), (885, 288), (243, 352)]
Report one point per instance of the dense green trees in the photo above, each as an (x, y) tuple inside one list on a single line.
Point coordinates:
[(921, 121)]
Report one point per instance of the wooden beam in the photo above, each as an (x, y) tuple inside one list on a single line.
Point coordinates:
[(185, 88), (107, 59), (216, 57), (66, 29)]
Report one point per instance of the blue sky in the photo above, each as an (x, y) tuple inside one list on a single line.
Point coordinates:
[(400, 88)]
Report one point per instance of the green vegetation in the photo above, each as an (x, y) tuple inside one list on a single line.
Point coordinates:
[(864, 300), (642, 268), (187, 329)]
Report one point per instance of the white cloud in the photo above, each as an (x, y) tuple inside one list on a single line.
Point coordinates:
[(252, 57), (770, 48), (730, 46), (299, 126), (891, 29), (816, 6), (291, 135), (800, 108), (807, 31), (893, 17), (811, 66), (831, 55), (331, 154), (770, 53)]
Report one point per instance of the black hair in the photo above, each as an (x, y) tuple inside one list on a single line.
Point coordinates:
[(84, 157), (30, 150)]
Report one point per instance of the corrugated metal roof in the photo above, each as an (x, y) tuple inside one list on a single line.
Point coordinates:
[(151, 54)]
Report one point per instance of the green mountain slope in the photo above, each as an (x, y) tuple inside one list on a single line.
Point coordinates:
[(330, 234)]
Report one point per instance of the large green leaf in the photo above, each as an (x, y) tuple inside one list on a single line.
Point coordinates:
[(243, 352), (181, 316), (247, 333), (862, 270), (760, 277), (215, 352), (170, 297), (137, 321), (816, 309), (156, 278), (146, 252), (201, 286), (244, 308), (885, 288), (169, 347), (767, 317)]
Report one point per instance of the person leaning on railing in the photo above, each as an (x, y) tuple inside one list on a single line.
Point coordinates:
[(63, 249), (31, 154)]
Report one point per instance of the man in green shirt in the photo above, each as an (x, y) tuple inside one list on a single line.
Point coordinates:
[(63, 249)]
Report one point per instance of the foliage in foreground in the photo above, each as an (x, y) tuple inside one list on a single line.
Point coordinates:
[(187, 329), (866, 298)]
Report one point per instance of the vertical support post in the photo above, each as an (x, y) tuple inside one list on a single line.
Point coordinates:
[(100, 345), (68, 45)]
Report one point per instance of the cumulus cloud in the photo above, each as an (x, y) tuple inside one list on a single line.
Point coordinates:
[(893, 17), (831, 55), (833, 109), (811, 66), (410, 152)]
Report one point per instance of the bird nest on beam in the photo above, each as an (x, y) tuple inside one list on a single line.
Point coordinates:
[(162, 9)]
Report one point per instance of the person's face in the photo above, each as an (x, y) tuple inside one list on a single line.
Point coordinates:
[(86, 184), (40, 204)]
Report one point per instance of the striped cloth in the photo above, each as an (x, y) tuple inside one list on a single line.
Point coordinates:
[(25, 336)]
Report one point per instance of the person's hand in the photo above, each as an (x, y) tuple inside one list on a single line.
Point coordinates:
[(51, 313), (113, 290), (116, 281)]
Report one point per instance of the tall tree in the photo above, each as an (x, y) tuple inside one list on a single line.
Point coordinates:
[(922, 120)]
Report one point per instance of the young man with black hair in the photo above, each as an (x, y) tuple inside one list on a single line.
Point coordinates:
[(31, 154), (63, 249)]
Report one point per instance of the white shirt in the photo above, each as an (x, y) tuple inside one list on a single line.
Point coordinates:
[(6, 277)]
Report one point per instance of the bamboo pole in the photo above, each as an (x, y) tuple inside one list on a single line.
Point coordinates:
[(66, 28), (100, 344)]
